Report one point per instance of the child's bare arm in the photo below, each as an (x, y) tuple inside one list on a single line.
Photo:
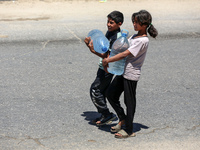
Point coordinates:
[(115, 58), (89, 44)]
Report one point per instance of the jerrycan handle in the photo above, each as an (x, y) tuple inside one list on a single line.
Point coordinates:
[(124, 32)]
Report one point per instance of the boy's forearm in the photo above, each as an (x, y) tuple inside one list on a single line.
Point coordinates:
[(94, 52), (98, 54), (102, 55)]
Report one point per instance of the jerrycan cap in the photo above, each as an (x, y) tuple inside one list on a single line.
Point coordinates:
[(124, 32), (104, 49)]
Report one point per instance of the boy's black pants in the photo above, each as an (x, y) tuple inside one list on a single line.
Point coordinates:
[(98, 89), (118, 85)]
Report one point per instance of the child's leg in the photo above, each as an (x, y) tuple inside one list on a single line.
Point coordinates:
[(97, 90), (130, 102), (113, 94)]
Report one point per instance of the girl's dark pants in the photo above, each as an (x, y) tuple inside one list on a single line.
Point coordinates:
[(118, 85), (98, 89)]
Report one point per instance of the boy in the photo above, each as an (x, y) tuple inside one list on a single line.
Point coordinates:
[(103, 79)]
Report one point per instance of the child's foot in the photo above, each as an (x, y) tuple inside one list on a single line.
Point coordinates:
[(105, 120), (123, 134), (118, 126), (95, 120)]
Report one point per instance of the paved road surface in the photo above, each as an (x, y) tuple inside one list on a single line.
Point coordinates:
[(46, 72)]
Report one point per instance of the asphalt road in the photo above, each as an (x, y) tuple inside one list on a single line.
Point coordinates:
[(45, 75)]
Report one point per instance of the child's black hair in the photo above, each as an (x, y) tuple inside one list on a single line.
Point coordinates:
[(144, 18), (116, 16)]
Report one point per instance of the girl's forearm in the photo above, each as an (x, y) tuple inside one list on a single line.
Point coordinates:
[(118, 56), (115, 58)]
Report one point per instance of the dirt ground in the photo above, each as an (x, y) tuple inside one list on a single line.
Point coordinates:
[(22, 10)]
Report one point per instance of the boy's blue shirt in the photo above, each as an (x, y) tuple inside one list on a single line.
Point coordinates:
[(111, 36)]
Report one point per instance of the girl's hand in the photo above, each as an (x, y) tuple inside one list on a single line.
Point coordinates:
[(105, 64)]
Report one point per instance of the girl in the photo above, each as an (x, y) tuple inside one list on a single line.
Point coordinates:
[(135, 55)]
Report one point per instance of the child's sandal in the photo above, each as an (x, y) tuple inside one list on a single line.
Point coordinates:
[(115, 128), (122, 134)]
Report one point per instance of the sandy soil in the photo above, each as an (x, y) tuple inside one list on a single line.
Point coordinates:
[(22, 10)]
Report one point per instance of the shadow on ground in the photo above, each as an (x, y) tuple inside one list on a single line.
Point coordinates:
[(91, 115)]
